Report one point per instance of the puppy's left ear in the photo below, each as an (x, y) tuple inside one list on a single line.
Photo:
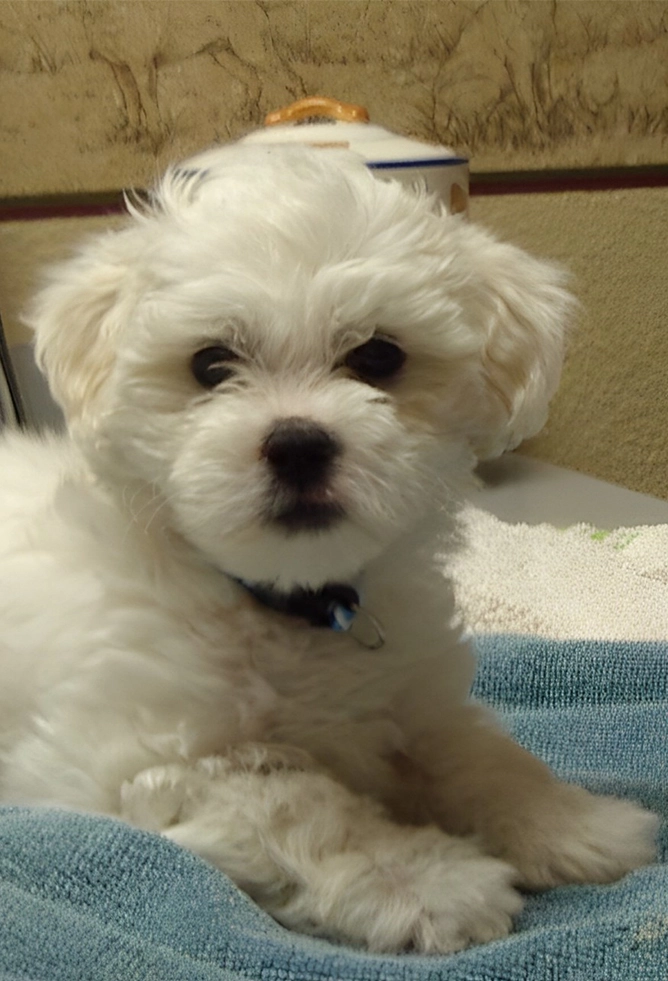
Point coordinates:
[(521, 312), (77, 318)]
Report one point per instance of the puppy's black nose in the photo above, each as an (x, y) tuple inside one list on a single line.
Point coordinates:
[(300, 452)]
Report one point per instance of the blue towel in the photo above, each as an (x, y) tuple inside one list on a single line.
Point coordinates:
[(89, 899)]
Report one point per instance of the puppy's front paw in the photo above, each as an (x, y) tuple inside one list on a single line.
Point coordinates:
[(472, 902), (154, 799), (431, 894), (581, 837), (161, 796), (322, 860)]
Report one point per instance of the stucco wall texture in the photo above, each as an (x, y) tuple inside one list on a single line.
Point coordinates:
[(100, 94), (610, 415)]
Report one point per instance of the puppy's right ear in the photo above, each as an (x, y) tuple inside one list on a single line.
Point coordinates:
[(77, 318)]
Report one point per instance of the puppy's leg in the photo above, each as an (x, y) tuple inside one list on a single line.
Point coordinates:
[(321, 859), (480, 781)]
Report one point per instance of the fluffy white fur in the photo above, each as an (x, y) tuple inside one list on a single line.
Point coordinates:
[(352, 792)]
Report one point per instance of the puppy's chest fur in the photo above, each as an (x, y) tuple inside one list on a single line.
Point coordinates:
[(273, 678), (163, 657)]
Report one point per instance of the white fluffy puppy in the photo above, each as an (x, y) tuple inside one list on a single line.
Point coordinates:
[(275, 377)]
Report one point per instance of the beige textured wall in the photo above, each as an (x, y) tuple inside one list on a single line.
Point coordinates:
[(99, 94), (28, 247), (610, 416)]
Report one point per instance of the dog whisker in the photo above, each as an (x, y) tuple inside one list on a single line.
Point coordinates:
[(136, 514), (163, 504)]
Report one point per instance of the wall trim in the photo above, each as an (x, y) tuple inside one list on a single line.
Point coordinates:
[(88, 205)]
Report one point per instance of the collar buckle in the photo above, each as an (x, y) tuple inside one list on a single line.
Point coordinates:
[(335, 606), (366, 629)]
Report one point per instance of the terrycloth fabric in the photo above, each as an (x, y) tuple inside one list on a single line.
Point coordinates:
[(561, 583), (88, 899)]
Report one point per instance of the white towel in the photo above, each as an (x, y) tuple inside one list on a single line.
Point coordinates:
[(577, 582)]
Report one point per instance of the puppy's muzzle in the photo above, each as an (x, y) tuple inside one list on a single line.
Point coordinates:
[(302, 456)]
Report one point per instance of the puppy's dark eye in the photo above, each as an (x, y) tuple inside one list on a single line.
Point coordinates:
[(376, 360), (212, 365)]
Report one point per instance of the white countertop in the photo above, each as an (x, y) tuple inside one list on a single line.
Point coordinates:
[(520, 489)]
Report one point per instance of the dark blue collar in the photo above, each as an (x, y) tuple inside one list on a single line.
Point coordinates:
[(335, 606)]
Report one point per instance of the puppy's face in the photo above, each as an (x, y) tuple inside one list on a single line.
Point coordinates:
[(297, 359)]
